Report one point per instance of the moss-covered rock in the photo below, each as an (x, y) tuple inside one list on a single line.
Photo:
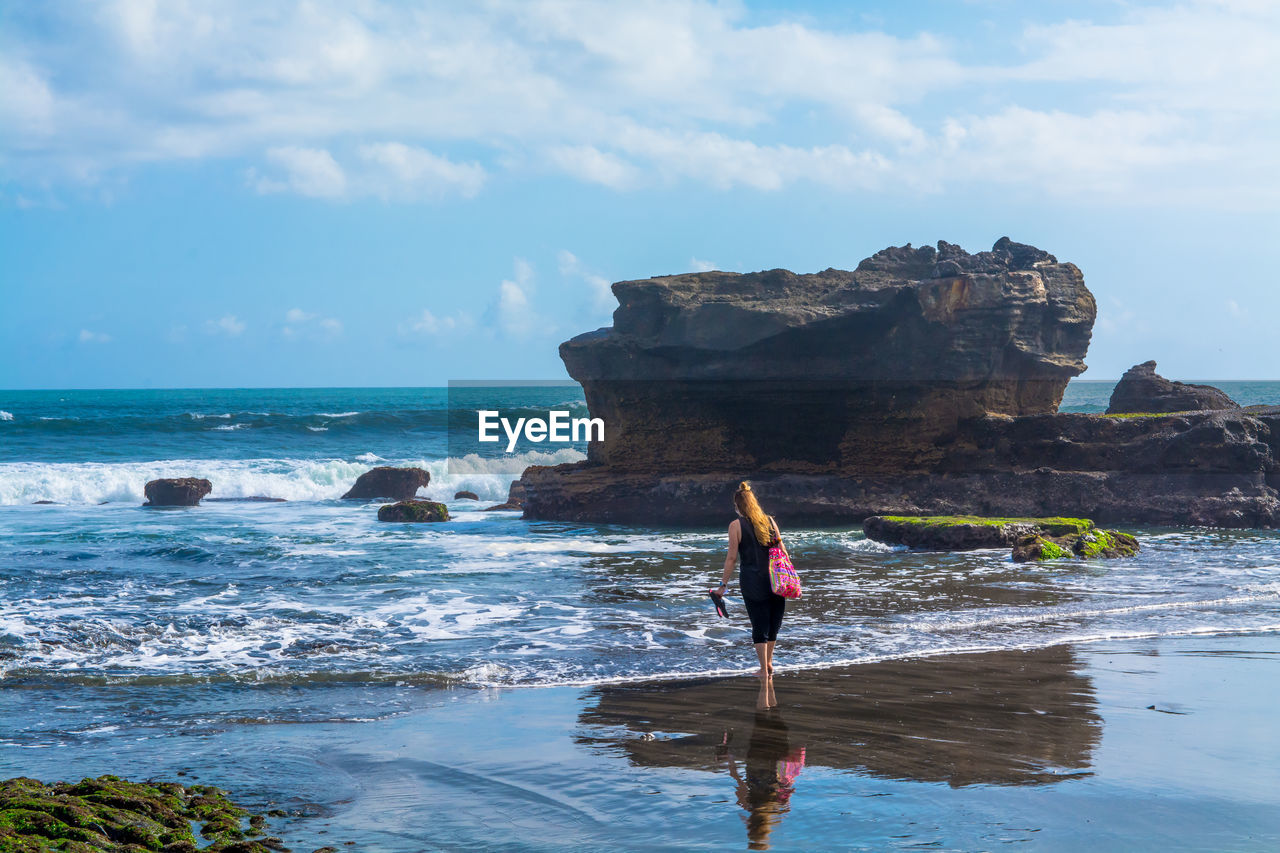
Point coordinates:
[(1033, 539), (118, 816), (414, 510), (1091, 545), (966, 532)]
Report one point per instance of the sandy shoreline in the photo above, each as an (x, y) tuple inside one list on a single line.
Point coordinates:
[(1052, 749)]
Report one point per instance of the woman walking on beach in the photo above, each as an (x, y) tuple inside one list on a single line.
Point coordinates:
[(751, 535)]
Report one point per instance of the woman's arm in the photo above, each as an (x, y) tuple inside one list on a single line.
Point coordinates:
[(732, 558), (778, 534)]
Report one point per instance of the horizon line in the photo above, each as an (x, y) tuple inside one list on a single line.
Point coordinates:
[(445, 387)]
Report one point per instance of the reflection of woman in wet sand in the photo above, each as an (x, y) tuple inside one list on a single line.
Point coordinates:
[(767, 778), (751, 535)]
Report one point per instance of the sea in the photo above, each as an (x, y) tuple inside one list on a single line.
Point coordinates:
[(96, 588), (115, 615)]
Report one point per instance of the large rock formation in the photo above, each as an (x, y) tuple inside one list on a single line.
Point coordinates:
[(923, 383), (179, 491), (397, 484), (1141, 389), (719, 368)]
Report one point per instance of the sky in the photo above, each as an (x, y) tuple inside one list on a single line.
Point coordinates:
[(239, 194)]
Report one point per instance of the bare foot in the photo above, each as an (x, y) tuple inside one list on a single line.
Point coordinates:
[(761, 673)]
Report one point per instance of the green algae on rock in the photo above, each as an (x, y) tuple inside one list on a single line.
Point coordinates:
[(1032, 539), (414, 511), (1092, 545), (112, 814), (966, 532)]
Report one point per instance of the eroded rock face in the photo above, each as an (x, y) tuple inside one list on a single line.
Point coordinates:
[(397, 484), (1141, 389), (1216, 469), (180, 491), (925, 382), (718, 369)]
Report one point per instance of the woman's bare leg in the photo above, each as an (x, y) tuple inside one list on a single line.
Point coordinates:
[(762, 652), (768, 656)]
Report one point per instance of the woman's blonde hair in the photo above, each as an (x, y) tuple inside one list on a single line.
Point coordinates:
[(749, 508)]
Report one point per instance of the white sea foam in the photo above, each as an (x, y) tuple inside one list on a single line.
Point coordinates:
[(230, 427), (336, 414), (5, 416), (318, 429), (291, 479), (488, 477), (199, 416)]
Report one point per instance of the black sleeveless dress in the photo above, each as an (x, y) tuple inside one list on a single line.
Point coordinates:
[(753, 571)]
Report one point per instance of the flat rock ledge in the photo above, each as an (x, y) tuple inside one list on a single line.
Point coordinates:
[(1032, 539), (965, 532), (181, 491), (414, 511), (114, 815), (397, 484)]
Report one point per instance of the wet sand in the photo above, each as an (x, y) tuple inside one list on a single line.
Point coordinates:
[(1051, 749)]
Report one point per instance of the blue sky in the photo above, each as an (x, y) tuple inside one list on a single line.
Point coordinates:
[(240, 194)]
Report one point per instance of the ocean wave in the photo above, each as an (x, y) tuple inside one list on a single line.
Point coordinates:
[(5, 416), (292, 479), (337, 414), (230, 427)]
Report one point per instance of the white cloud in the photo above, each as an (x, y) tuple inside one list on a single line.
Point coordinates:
[(388, 170), (412, 172), (308, 171), (698, 265), (228, 325), (590, 164), (428, 324), (511, 312), (331, 100), (306, 325), (599, 287), (88, 337)]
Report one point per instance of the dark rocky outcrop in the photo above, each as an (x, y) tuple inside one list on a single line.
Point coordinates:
[(1142, 390), (717, 369), (925, 382), (397, 484), (1031, 538), (111, 814), (965, 532), (515, 498), (182, 491), (414, 510), (465, 496), (1092, 544)]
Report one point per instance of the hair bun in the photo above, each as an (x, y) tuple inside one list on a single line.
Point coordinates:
[(744, 486)]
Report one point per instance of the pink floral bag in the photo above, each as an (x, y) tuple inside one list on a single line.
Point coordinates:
[(782, 575)]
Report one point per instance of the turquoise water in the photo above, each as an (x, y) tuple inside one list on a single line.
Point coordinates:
[(116, 613)]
